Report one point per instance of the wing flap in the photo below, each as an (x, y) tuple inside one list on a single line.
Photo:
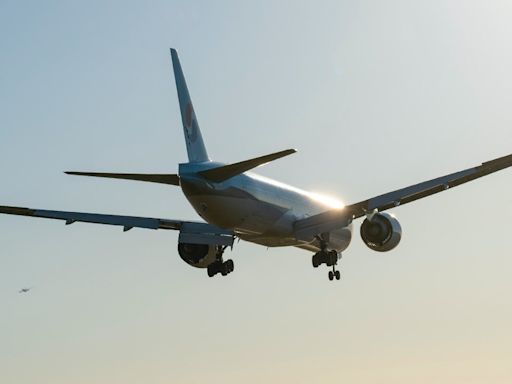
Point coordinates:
[(127, 222), (72, 217)]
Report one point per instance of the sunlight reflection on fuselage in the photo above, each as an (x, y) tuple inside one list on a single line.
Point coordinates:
[(328, 201)]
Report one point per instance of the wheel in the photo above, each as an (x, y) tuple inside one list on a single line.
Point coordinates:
[(332, 256), (227, 267), (331, 275), (337, 275), (214, 268), (315, 261), (230, 266)]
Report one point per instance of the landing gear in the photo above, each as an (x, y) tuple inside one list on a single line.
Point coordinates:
[(329, 258), (334, 274), (224, 268), (221, 266), (227, 267)]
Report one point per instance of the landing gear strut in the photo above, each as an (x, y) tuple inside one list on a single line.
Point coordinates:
[(219, 265), (329, 258)]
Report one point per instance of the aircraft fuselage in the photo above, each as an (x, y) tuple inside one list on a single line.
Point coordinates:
[(258, 209)]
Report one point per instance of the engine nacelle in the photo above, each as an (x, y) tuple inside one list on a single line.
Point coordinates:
[(382, 233), (198, 243), (197, 255)]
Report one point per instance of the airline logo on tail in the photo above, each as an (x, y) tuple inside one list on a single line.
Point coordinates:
[(191, 123)]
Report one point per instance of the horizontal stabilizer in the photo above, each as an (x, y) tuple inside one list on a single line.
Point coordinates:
[(225, 172), (152, 178)]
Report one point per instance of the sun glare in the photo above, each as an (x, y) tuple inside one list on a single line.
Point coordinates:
[(329, 201)]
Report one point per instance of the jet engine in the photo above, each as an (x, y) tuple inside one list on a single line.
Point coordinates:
[(197, 255), (382, 233), (202, 245)]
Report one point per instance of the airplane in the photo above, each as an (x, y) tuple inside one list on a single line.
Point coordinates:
[(236, 203), (24, 290)]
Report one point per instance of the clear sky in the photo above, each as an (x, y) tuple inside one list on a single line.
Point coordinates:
[(375, 95)]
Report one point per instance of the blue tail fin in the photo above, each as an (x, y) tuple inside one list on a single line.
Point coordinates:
[(195, 146)]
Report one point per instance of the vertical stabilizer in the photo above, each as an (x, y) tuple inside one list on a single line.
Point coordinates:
[(195, 146)]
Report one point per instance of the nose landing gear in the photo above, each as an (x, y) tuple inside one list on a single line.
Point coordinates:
[(334, 274)]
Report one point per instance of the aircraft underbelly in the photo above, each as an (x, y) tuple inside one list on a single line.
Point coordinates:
[(260, 222), (240, 214)]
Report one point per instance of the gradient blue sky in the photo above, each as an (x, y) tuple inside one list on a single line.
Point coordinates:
[(375, 96)]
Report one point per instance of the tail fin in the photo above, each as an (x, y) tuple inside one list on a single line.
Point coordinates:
[(195, 146)]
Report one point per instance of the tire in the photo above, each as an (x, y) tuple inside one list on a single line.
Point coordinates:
[(226, 267), (337, 275), (315, 262), (331, 275), (333, 258)]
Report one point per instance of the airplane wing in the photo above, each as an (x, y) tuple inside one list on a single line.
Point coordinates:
[(333, 219), (127, 222)]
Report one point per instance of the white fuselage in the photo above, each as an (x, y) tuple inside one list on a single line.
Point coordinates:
[(258, 209)]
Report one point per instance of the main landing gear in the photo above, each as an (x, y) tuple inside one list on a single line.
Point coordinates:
[(329, 258), (219, 265)]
